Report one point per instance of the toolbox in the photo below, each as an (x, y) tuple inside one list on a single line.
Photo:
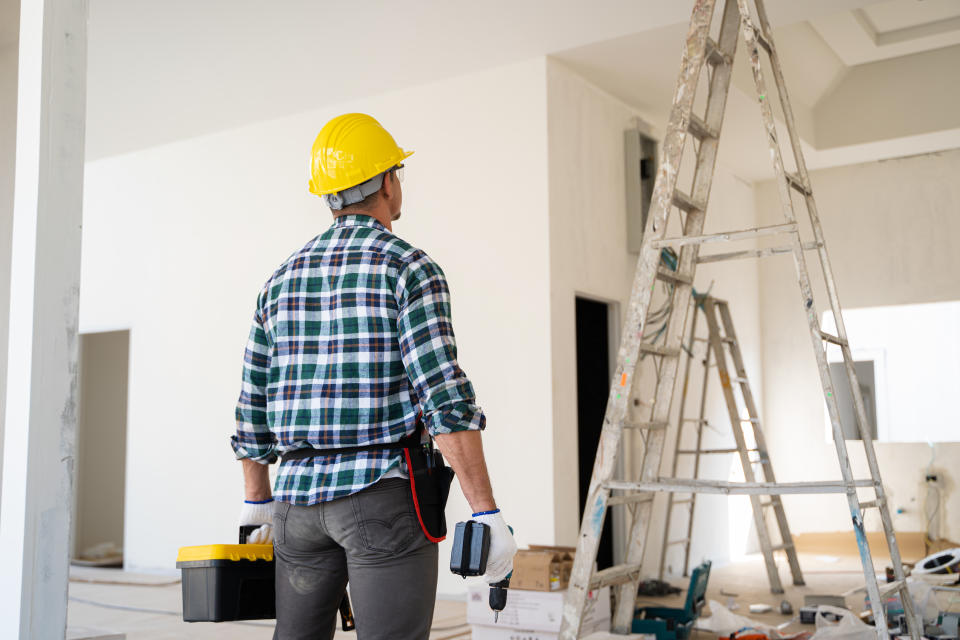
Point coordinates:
[(224, 582)]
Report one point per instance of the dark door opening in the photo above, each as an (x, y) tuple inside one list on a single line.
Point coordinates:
[(593, 386)]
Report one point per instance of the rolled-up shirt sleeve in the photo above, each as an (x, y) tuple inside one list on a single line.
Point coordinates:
[(253, 438), (429, 350)]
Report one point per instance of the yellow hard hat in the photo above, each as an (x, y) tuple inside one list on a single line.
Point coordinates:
[(349, 150)]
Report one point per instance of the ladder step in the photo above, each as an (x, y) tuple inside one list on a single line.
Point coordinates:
[(695, 420), (659, 351), (890, 587), (763, 41), (834, 339), (782, 547), (797, 183), (871, 504), (683, 501), (630, 498), (685, 202), (690, 485), (713, 55), (678, 541), (698, 128), (617, 574), (649, 426), (706, 451), (745, 234), (674, 276), (740, 380), (755, 253)]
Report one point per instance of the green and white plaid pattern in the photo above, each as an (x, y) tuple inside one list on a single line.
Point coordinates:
[(351, 340)]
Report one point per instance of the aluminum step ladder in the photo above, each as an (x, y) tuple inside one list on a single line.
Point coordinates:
[(716, 55), (722, 347)]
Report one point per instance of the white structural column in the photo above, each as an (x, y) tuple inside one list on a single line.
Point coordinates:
[(38, 448)]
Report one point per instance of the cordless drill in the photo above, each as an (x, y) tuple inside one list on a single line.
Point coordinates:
[(471, 545)]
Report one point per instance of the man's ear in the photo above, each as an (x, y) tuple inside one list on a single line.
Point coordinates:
[(388, 185)]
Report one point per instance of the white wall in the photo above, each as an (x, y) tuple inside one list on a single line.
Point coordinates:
[(891, 229), (588, 256), (179, 238), (8, 152)]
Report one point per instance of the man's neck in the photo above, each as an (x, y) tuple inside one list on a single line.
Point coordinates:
[(380, 214)]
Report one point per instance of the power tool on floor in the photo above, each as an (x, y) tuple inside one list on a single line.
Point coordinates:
[(471, 544)]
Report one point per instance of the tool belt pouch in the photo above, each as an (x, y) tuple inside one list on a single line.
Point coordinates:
[(430, 480)]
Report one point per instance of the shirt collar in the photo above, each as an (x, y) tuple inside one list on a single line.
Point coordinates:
[(358, 220)]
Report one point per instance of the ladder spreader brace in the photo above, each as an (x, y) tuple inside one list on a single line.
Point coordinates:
[(701, 51)]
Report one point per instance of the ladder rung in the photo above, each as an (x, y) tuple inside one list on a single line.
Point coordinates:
[(713, 55), (695, 420), (674, 276), (766, 503), (782, 547), (659, 351), (797, 183), (890, 587), (739, 379), (683, 501), (689, 485), (871, 504), (706, 451), (678, 541), (726, 235), (834, 339), (727, 340), (685, 202), (649, 426), (700, 129), (755, 253), (617, 574), (630, 498), (763, 41)]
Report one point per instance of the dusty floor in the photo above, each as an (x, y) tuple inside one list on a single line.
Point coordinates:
[(96, 604)]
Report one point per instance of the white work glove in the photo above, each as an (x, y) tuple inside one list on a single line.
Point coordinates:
[(258, 513), (502, 547)]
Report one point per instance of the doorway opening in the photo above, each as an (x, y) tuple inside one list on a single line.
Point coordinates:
[(593, 322), (101, 449)]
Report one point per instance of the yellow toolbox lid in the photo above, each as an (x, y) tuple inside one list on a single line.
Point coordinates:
[(233, 552)]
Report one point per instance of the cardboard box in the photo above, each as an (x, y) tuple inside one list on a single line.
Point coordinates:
[(542, 568), (532, 611)]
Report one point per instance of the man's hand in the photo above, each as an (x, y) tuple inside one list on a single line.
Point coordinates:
[(502, 547), (258, 513), (258, 507)]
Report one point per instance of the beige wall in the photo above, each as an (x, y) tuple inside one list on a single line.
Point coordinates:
[(8, 141), (178, 240), (588, 256), (891, 229), (101, 439)]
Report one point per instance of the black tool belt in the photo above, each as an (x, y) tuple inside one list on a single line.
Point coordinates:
[(430, 477)]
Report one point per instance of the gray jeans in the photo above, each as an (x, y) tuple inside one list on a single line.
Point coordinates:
[(371, 538)]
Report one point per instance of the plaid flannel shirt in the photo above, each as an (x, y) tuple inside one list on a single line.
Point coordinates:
[(351, 340)]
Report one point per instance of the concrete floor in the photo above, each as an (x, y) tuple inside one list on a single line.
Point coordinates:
[(90, 591)]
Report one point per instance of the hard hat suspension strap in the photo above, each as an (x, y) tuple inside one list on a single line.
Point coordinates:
[(353, 195)]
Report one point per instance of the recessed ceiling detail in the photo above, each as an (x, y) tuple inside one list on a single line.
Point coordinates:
[(890, 29)]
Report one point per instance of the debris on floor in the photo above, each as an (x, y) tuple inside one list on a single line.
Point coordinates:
[(655, 588)]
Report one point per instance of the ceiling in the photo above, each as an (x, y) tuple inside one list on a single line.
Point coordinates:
[(845, 112), (163, 71), (890, 29)]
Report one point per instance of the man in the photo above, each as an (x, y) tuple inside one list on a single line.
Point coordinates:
[(351, 342)]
